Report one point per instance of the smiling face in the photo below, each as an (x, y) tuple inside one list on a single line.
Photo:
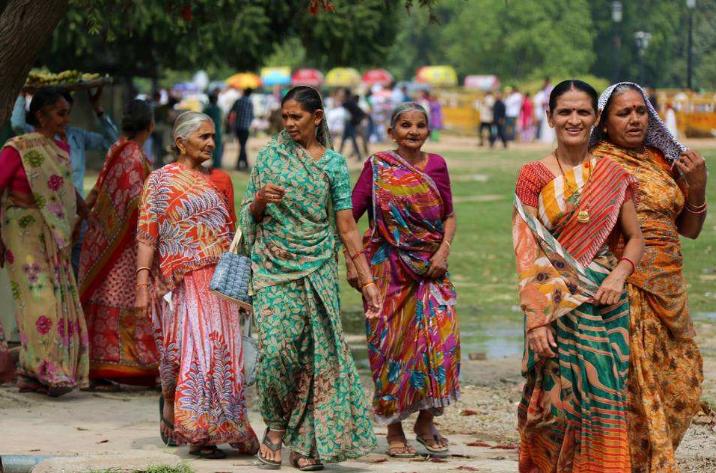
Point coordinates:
[(410, 130), (627, 120), (300, 124), (54, 118), (573, 118), (199, 145)]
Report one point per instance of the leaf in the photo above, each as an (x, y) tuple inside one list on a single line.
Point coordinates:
[(478, 443), (468, 412)]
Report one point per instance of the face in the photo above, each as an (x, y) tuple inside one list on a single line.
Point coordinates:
[(54, 118), (199, 145), (627, 120), (573, 118), (410, 131), (300, 124)]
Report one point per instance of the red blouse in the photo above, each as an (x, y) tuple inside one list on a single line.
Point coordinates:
[(12, 172)]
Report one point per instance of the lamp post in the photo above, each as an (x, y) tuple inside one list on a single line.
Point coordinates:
[(617, 14), (690, 5), (642, 42)]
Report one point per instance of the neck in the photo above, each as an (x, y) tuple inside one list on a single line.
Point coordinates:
[(46, 133), (411, 155), (188, 162), (572, 155), (140, 138), (308, 143)]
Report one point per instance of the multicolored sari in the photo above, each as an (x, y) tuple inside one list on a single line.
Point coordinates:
[(666, 368), (572, 417), (54, 354), (121, 339), (307, 382), (414, 346)]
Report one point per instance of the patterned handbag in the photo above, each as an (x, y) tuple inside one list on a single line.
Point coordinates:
[(232, 275)]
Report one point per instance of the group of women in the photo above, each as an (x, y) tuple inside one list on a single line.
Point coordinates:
[(613, 373)]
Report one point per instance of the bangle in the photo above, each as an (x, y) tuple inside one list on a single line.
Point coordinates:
[(363, 286), (354, 256), (696, 209), (143, 284), (633, 266), (142, 268), (447, 242)]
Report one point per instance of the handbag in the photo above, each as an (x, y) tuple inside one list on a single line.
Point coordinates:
[(250, 348), (232, 275)]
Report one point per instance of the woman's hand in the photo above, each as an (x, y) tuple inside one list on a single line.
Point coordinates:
[(371, 296), (141, 296), (352, 275), (270, 194), (438, 264), (611, 289), (693, 167), (541, 341)]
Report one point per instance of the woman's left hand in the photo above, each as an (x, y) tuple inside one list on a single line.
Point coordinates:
[(611, 290), (693, 166), (371, 296), (438, 264)]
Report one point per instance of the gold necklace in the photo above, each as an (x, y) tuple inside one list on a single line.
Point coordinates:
[(582, 215)]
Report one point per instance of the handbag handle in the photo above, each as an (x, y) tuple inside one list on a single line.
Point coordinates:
[(236, 240)]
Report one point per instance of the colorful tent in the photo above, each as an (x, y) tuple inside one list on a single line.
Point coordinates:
[(482, 82), (311, 77), (377, 76), (244, 80), (271, 76), (342, 77), (437, 76)]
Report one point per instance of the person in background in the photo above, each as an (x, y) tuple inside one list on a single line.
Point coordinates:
[(436, 117), (241, 115), (336, 117), (545, 133), (484, 107), (214, 111), (670, 120), (513, 105), (526, 123), (350, 131), (498, 116)]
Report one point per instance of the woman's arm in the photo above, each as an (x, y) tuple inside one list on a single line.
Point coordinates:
[(693, 168), (348, 232), (145, 258), (438, 262)]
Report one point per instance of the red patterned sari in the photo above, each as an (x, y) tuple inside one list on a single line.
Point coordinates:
[(122, 346)]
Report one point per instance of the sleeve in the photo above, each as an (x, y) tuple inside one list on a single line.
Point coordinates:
[(101, 141), (148, 225), (10, 164), (528, 187), (362, 197), (18, 119), (441, 177), (341, 185)]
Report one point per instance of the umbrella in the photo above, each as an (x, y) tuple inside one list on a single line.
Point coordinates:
[(482, 82), (271, 76), (310, 77), (244, 80), (437, 76), (377, 76), (342, 77)]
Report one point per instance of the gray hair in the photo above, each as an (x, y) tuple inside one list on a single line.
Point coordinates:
[(186, 124), (407, 107)]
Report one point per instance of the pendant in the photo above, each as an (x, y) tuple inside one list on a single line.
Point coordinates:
[(583, 216)]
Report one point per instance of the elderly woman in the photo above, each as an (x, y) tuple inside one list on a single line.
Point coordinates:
[(298, 197), (122, 347), (666, 367), (573, 413), (39, 207), (414, 346), (185, 220)]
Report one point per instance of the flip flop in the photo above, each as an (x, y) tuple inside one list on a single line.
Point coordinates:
[(209, 452), (404, 451), (440, 452), (265, 463), (167, 439), (296, 458)]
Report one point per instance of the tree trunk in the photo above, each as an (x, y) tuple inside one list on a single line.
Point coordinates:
[(25, 27)]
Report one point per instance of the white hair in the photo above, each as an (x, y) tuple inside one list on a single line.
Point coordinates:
[(187, 123)]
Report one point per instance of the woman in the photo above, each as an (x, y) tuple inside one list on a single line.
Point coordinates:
[(298, 197), (414, 346), (570, 207), (185, 219), (122, 347), (526, 122), (40, 211), (665, 366)]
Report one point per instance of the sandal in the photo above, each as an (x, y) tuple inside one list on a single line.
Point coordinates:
[(436, 451), (265, 463), (296, 459), (165, 424), (208, 452), (402, 450)]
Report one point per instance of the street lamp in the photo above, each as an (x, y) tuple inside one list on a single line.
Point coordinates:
[(642, 42), (617, 15), (690, 5)]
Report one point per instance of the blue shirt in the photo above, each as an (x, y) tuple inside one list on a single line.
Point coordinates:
[(244, 109), (79, 140)]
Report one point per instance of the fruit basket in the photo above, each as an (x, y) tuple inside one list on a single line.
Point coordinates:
[(70, 80)]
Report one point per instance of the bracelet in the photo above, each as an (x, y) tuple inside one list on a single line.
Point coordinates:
[(142, 284), (142, 268), (697, 210), (696, 207), (353, 257), (447, 242), (633, 266), (363, 286)]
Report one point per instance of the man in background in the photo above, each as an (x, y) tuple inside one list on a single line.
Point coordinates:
[(242, 114)]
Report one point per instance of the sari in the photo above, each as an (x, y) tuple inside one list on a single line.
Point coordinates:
[(666, 368), (121, 338), (414, 345), (572, 416), (53, 335), (185, 218), (307, 381)]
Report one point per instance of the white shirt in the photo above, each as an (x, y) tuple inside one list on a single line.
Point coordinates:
[(513, 104)]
